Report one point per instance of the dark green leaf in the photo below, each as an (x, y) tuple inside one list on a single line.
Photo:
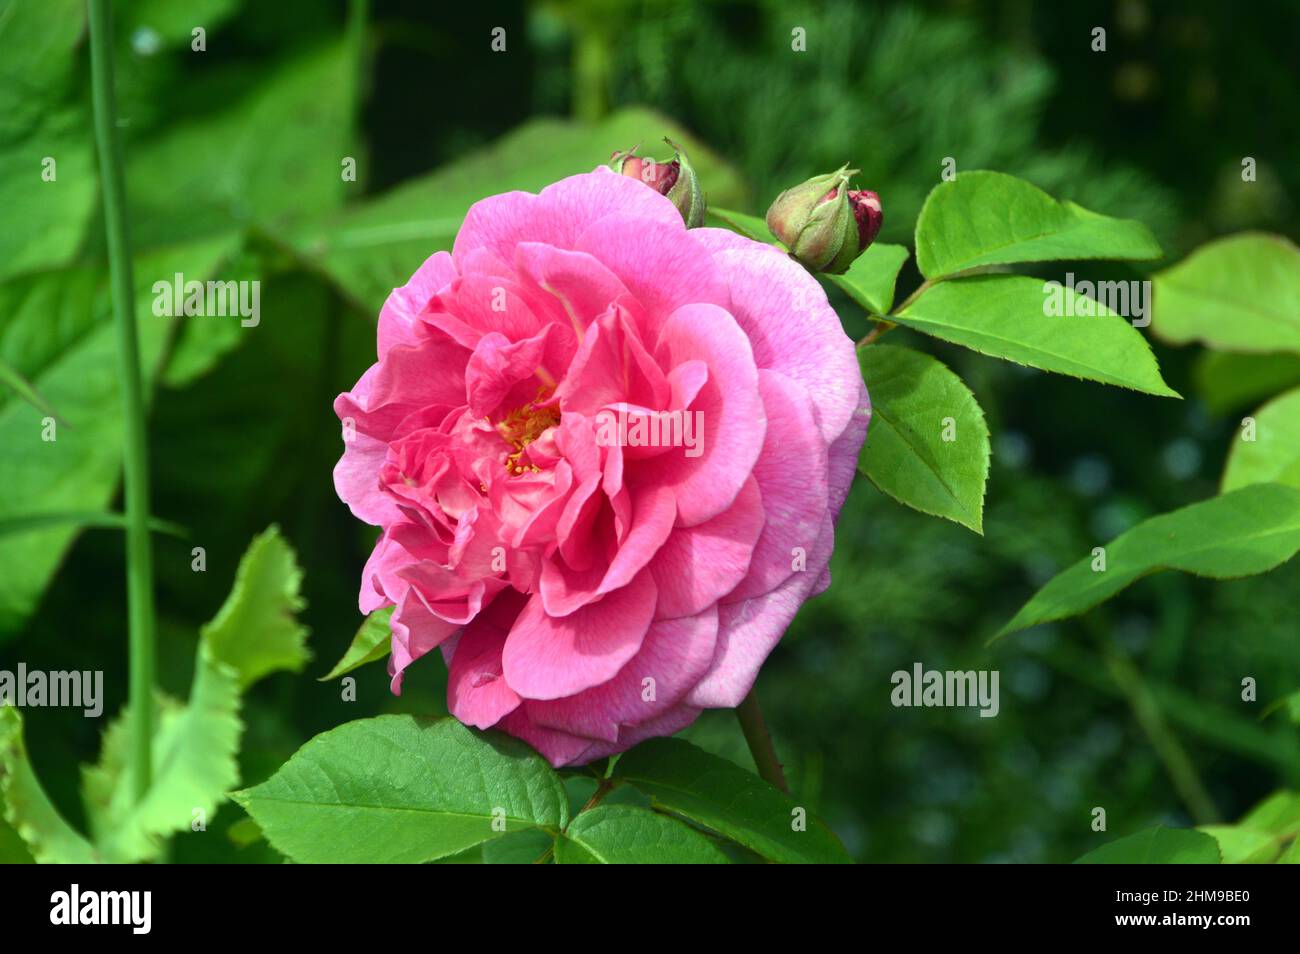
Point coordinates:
[(725, 798), (915, 403), (1248, 531), (1228, 382), (624, 834)]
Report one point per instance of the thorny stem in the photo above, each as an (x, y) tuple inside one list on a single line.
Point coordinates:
[(760, 742), (605, 786), (1169, 750), (921, 289), (601, 791), (884, 324), (880, 328), (139, 558)]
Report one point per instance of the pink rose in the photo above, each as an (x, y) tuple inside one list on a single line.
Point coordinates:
[(607, 454)]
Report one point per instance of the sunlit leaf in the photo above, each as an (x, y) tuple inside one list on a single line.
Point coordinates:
[(1005, 316), (1240, 293), (989, 218), (403, 789)]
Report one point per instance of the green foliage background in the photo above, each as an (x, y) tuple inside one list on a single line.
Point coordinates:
[(233, 158)]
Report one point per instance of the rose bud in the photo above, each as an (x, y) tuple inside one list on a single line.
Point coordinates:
[(675, 179), (824, 224), (869, 215)]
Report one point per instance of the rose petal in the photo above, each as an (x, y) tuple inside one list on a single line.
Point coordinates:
[(547, 657)]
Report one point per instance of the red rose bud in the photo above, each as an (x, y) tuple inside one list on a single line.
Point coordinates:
[(823, 223), (869, 215), (675, 179)]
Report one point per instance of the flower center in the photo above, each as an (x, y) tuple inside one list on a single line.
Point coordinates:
[(524, 425)]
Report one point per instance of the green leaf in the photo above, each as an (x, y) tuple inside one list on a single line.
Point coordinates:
[(370, 249), (725, 798), (989, 218), (1005, 316), (1290, 704), (372, 641), (1274, 452), (11, 379), (1243, 846), (403, 789), (194, 750), (43, 117), (1279, 815), (13, 850), (256, 631), (32, 522), (172, 24), (1240, 293), (1227, 382), (55, 331), (750, 226), (517, 848), (871, 278), (625, 834), (272, 153), (27, 808), (1157, 846), (202, 341), (196, 744), (1248, 531), (912, 397)]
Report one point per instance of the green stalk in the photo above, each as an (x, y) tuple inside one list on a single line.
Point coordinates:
[(139, 559), (759, 741), (1168, 749)]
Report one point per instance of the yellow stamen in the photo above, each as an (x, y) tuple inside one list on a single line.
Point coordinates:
[(524, 425)]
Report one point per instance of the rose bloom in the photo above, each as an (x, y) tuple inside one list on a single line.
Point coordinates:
[(589, 588)]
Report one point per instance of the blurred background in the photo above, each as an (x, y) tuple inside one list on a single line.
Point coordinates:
[(234, 155)]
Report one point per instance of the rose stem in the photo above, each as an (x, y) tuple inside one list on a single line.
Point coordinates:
[(139, 560), (760, 741)]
